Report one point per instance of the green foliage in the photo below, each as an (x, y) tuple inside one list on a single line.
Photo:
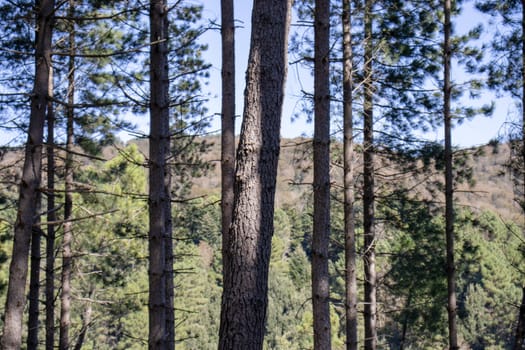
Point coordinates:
[(416, 280), (111, 267), (197, 296)]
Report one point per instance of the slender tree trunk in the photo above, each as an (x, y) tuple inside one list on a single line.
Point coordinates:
[(523, 107), (321, 216), (405, 322), (348, 131), (520, 328), (519, 336), (86, 322), (245, 278), (67, 254), (227, 120), (51, 217), (370, 308), (160, 236), (449, 191), (31, 177), (34, 277), (34, 283)]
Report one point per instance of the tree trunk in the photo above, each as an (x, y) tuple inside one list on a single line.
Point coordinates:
[(449, 191), (161, 336), (31, 177), (34, 284), (348, 131), (321, 182), (227, 120), (523, 107), (245, 278), (86, 322), (368, 187), (51, 217), (404, 328), (520, 327), (67, 255)]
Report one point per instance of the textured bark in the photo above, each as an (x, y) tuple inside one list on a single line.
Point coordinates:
[(30, 183), (369, 258), (161, 332), (51, 217), (449, 191), (67, 254), (227, 120), (34, 285), (321, 180), (245, 278), (348, 132)]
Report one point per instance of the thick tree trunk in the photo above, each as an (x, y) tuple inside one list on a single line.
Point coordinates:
[(368, 188), (321, 184), (227, 120), (31, 177), (348, 132), (449, 191), (245, 278), (51, 217), (161, 334)]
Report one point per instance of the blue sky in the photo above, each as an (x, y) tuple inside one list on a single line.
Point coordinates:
[(474, 132)]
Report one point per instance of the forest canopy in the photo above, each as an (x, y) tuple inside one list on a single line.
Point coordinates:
[(365, 234)]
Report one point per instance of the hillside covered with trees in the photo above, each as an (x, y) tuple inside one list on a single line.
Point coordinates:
[(110, 270), (364, 235)]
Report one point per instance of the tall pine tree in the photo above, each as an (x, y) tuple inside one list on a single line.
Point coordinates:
[(245, 278)]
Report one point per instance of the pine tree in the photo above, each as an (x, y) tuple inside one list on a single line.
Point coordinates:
[(348, 132), (67, 239), (50, 230), (227, 118), (370, 308), (245, 278), (449, 181), (508, 48), (31, 177), (321, 184), (160, 337)]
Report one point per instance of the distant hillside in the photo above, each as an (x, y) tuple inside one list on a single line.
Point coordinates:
[(493, 189)]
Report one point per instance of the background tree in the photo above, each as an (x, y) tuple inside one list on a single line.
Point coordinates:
[(160, 337), (349, 183), (12, 330), (506, 73), (370, 287), (67, 254), (50, 229), (449, 199), (227, 116), (321, 184), (245, 278)]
